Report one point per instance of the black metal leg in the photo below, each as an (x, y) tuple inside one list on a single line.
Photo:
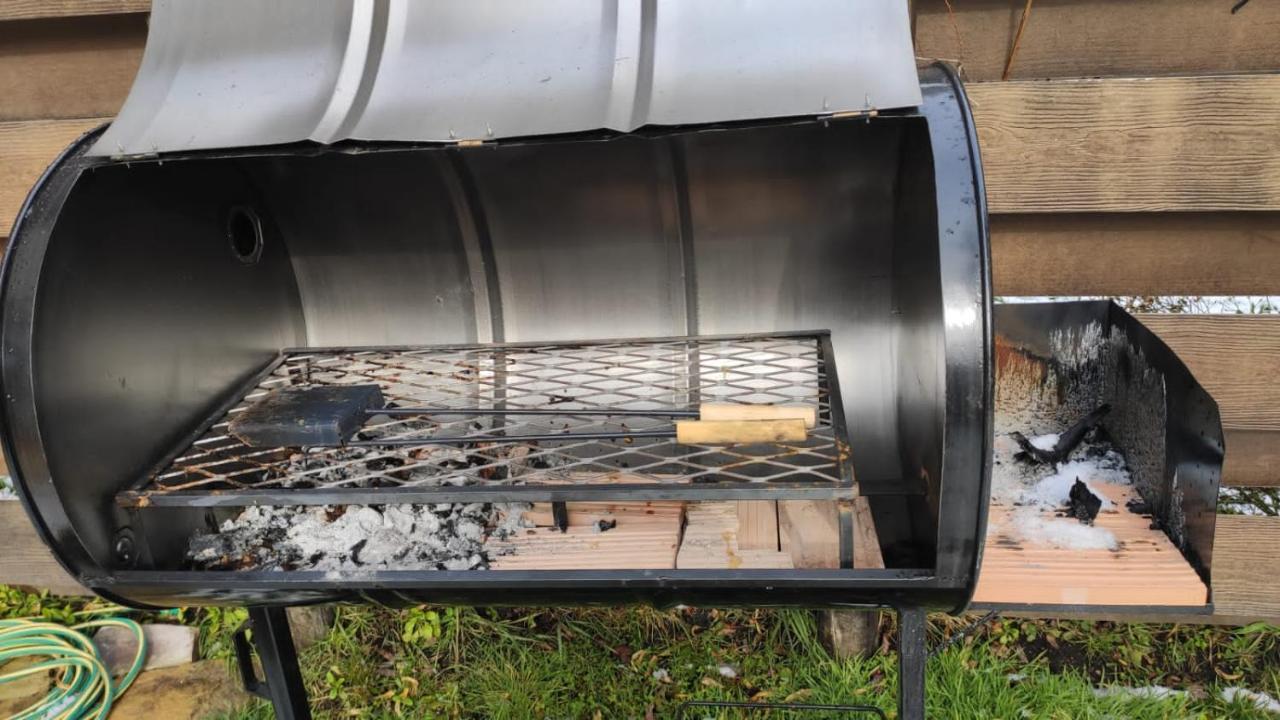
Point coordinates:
[(283, 685), (912, 655)]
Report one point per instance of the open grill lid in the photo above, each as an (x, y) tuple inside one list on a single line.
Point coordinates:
[(239, 73)]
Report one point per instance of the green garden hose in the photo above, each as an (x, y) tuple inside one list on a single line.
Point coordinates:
[(84, 688)]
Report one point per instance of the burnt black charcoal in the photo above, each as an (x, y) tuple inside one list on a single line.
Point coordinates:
[(1083, 504), (1067, 441), (604, 525), (1138, 507), (355, 551)]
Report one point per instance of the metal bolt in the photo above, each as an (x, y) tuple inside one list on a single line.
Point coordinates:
[(124, 548)]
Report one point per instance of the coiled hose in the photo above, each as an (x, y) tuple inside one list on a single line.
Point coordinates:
[(84, 688)]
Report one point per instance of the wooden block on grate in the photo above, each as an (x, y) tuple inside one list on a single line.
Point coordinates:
[(1146, 570), (866, 542), (711, 541)]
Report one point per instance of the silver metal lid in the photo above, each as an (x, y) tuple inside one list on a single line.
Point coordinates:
[(236, 73)]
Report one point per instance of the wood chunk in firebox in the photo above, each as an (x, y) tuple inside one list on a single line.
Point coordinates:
[(300, 417), (1083, 504), (1067, 441)]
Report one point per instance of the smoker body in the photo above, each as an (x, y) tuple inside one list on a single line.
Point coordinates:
[(138, 296)]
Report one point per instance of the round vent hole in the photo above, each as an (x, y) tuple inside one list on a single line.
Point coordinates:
[(244, 229)]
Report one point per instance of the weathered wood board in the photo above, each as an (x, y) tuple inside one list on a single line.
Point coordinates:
[(1130, 144), (1085, 38), (1186, 253)]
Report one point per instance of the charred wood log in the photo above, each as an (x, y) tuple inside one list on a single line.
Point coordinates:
[(1067, 441)]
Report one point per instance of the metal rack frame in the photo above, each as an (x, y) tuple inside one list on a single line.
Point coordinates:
[(149, 491)]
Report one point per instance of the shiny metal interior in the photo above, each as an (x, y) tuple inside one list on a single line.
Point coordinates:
[(132, 315)]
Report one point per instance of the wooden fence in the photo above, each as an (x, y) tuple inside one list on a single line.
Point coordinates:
[(1135, 150)]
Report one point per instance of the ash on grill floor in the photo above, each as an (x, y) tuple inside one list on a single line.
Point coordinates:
[(444, 536), (1040, 494)]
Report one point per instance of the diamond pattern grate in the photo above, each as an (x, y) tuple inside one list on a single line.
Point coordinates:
[(679, 373)]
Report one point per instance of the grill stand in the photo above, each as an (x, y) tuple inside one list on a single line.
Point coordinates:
[(283, 685), (912, 656)]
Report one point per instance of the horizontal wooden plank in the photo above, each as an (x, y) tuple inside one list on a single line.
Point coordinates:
[(1084, 38), (29, 9), (1136, 253), (26, 561), (26, 149), (1253, 458), (1235, 357), (1126, 615), (82, 67), (1246, 566), (1120, 145)]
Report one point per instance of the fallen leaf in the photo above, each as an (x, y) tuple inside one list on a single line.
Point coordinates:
[(1226, 675), (798, 696)]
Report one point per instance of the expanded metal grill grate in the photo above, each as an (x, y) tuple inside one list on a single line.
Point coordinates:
[(632, 375)]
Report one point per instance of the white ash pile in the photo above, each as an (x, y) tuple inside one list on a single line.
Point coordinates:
[(442, 536), (1051, 481)]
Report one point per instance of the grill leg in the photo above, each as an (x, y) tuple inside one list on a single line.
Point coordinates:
[(279, 659), (912, 655)]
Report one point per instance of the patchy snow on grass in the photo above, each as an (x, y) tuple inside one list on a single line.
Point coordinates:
[(6, 489), (1146, 692), (1260, 700)]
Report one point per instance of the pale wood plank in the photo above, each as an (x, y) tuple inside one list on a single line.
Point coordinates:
[(634, 544), (758, 525), (810, 531), (1136, 253), (1143, 144), (710, 541), (29, 9), (1082, 38), (1147, 571), (1235, 357), (866, 542), (589, 513)]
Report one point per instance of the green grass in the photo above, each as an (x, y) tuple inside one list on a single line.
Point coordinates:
[(432, 662), (642, 662)]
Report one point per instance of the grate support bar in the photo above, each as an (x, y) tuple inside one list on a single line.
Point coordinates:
[(585, 492)]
